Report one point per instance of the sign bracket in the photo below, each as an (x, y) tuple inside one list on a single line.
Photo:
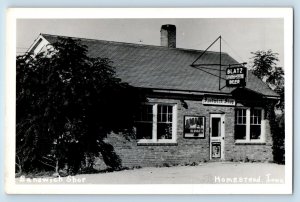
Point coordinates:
[(198, 66)]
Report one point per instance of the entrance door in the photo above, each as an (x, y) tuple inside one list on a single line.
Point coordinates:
[(217, 136)]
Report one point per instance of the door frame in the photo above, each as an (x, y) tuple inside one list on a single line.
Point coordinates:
[(220, 139)]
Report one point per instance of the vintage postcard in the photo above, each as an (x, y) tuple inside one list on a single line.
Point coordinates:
[(149, 101)]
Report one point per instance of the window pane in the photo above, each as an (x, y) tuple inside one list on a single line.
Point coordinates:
[(165, 108), (255, 116), (255, 127), (240, 112), (216, 127), (170, 118), (143, 130), (239, 120), (164, 113), (150, 117), (145, 113), (170, 109), (149, 112), (259, 116), (164, 131), (164, 118), (243, 112), (240, 132), (144, 122), (255, 131), (240, 124), (240, 116), (159, 117)]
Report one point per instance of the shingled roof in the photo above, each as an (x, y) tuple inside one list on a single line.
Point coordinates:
[(158, 67)]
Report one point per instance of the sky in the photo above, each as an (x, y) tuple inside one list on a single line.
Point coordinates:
[(241, 36)]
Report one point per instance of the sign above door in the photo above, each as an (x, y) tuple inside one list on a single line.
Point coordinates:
[(216, 100)]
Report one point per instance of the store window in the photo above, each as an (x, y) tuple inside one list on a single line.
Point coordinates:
[(156, 123), (240, 124), (249, 125), (164, 121), (255, 124), (144, 122)]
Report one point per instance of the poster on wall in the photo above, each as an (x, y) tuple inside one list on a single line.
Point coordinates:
[(216, 150), (194, 126)]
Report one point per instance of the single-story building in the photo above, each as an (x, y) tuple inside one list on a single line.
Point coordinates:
[(192, 115)]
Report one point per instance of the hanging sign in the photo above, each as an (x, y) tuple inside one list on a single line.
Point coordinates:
[(236, 76)]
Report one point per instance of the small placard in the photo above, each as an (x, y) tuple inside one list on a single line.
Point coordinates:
[(216, 150)]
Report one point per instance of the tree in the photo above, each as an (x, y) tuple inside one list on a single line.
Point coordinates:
[(265, 67), (67, 103)]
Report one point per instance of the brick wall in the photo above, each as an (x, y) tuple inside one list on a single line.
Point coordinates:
[(189, 150), (252, 152)]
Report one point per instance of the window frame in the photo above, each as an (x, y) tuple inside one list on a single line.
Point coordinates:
[(237, 123), (148, 121), (155, 123), (248, 126)]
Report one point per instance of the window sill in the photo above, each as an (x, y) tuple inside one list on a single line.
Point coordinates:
[(250, 143), (157, 144)]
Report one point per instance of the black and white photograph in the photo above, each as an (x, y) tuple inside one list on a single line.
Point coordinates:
[(197, 102)]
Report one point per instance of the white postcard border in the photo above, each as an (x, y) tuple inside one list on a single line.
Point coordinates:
[(10, 99)]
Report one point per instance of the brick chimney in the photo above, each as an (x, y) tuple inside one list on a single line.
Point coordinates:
[(168, 36)]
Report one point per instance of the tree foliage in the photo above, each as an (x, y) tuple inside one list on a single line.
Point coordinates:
[(67, 102), (265, 67)]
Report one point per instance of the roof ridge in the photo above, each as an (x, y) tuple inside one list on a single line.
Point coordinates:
[(133, 44)]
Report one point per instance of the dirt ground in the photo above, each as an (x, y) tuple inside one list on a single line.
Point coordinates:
[(206, 173)]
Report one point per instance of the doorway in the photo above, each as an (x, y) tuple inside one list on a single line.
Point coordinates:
[(217, 136)]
